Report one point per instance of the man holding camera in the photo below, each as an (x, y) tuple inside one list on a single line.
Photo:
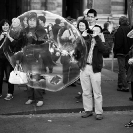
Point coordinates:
[(90, 76)]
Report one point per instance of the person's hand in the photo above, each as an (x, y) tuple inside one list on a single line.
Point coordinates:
[(1, 36), (102, 37), (84, 34), (9, 37), (4, 33), (94, 34), (51, 50)]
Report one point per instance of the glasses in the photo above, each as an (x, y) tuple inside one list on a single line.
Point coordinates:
[(90, 16)]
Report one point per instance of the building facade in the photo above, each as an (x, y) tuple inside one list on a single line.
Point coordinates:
[(107, 9)]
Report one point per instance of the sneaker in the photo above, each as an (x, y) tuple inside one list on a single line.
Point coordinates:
[(29, 102), (39, 103), (87, 114), (0, 95), (99, 117), (9, 97)]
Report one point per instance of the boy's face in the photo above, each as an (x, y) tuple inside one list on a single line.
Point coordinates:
[(32, 22)]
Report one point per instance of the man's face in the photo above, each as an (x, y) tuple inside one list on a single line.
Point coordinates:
[(32, 22), (91, 18)]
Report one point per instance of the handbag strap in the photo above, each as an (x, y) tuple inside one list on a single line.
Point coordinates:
[(18, 67)]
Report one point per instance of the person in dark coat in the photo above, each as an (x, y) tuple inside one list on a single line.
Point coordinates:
[(130, 78), (130, 72), (5, 66), (56, 27), (122, 45), (109, 36)]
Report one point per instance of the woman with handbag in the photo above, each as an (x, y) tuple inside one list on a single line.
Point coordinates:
[(5, 66)]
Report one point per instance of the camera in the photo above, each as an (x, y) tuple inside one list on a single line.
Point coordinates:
[(90, 31)]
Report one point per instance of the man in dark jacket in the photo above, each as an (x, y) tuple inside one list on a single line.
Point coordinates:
[(122, 45), (56, 28), (90, 76)]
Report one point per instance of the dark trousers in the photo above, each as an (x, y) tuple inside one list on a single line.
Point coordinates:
[(35, 94), (122, 64), (6, 68)]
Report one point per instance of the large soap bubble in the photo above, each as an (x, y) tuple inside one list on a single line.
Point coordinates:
[(50, 49)]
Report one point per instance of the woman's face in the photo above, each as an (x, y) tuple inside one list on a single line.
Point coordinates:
[(5, 27), (82, 26), (32, 22)]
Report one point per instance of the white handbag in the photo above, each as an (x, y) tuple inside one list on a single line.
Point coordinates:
[(17, 76)]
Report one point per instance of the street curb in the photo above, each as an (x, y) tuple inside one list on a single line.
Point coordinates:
[(77, 110)]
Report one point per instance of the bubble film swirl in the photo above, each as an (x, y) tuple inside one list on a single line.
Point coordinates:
[(49, 48)]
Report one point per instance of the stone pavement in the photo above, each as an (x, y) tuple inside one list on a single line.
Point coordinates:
[(113, 122), (64, 102)]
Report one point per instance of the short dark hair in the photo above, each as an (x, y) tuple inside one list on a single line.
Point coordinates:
[(42, 18), (57, 21), (92, 11), (123, 20), (32, 15), (106, 25)]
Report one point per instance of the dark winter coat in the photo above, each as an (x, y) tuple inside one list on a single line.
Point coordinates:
[(122, 43)]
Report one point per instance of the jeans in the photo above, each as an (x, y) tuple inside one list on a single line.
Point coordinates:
[(35, 94), (6, 68), (122, 64)]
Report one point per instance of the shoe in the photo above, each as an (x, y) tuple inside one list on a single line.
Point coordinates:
[(39, 103), (87, 114), (123, 89), (130, 99), (0, 95), (29, 102), (130, 124), (9, 97), (99, 117)]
